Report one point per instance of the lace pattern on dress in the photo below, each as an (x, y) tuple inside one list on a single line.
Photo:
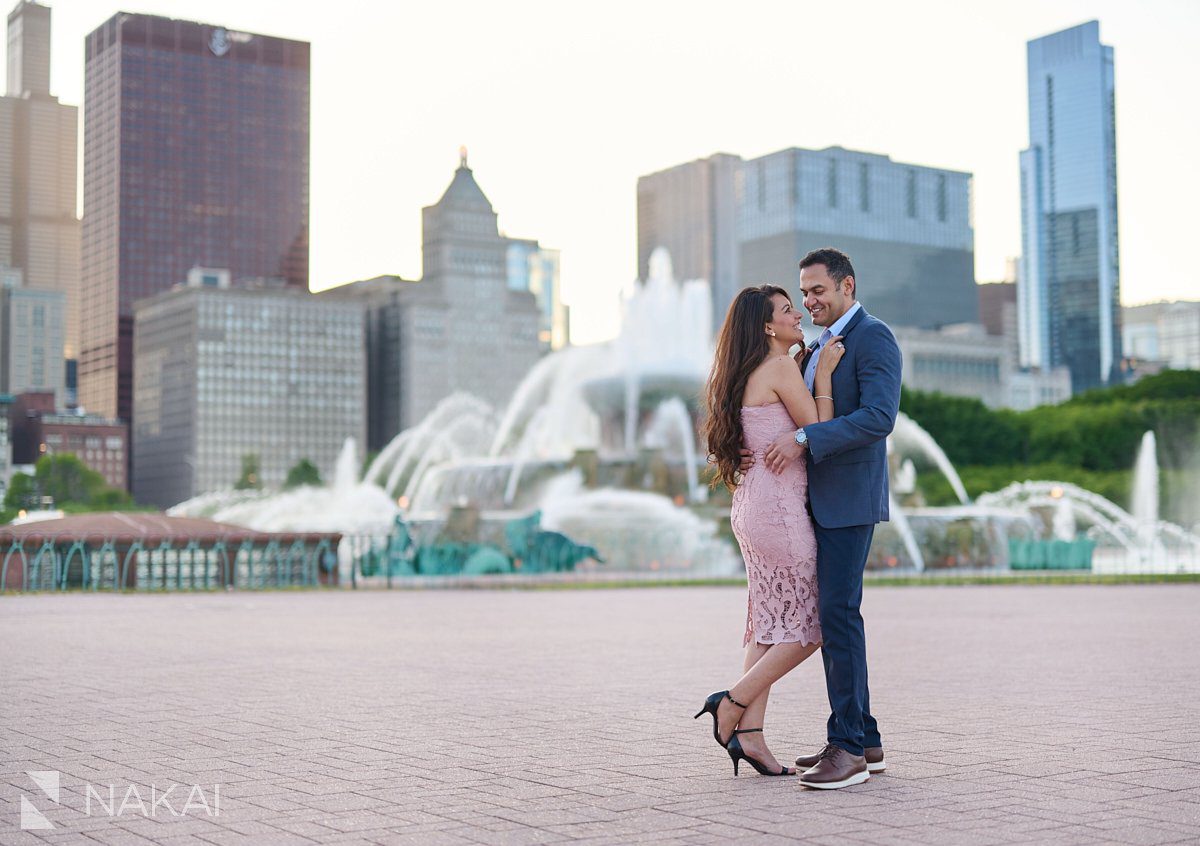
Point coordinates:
[(772, 526)]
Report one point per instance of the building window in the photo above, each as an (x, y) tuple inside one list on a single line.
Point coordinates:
[(941, 197), (795, 180), (911, 193), (831, 185), (39, 316), (864, 188)]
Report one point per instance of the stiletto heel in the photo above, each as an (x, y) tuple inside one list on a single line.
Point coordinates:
[(737, 753), (710, 707)]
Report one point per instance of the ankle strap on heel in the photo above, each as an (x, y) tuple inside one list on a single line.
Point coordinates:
[(734, 701), (745, 731)]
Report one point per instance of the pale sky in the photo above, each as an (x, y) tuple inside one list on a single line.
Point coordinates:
[(563, 105)]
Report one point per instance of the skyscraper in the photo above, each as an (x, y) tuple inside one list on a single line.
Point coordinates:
[(742, 222), (537, 269), (1069, 294), (691, 210), (196, 154), (462, 328), (223, 373), (31, 338), (469, 331), (39, 232), (906, 227)]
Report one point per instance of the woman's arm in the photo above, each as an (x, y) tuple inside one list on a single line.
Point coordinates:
[(789, 386), (831, 354), (878, 363)]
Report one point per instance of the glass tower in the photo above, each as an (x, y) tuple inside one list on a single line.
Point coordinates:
[(196, 154), (1069, 291)]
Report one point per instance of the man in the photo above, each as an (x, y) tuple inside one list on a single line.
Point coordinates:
[(848, 495)]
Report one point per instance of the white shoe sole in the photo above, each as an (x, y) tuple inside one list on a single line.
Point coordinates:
[(857, 778), (877, 768)]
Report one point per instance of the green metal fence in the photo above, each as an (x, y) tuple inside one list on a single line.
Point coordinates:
[(181, 563)]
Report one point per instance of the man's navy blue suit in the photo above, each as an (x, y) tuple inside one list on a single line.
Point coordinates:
[(848, 495)]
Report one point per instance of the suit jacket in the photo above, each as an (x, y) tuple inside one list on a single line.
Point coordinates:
[(847, 456)]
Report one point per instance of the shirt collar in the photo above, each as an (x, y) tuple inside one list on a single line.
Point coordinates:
[(840, 326)]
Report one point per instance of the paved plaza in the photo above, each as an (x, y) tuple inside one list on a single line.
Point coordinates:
[(1011, 714)]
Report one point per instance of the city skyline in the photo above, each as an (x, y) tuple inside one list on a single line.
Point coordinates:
[(561, 131)]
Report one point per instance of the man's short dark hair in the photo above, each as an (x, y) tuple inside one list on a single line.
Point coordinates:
[(837, 264)]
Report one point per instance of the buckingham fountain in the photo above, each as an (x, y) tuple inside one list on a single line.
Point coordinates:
[(599, 444)]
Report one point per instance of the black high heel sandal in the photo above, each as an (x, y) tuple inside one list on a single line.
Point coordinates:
[(737, 753), (710, 707)]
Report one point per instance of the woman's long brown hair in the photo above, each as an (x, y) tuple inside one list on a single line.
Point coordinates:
[(741, 347)]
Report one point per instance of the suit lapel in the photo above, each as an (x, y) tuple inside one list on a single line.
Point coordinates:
[(854, 321), (841, 373)]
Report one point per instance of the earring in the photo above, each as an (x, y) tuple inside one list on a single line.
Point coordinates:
[(772, 334)]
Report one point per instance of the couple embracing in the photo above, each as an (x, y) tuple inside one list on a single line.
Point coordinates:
[(801, 441)]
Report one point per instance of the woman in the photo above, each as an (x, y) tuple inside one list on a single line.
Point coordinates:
[(755, 393)]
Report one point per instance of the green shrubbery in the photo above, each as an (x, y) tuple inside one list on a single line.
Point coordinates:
[(1092, 440), (303, 473), (73, 485)]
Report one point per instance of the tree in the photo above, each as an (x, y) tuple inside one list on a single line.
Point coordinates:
[(1168, 385), (21, 491), (68, 479), (250, 479), (304, 473), (71, 483)]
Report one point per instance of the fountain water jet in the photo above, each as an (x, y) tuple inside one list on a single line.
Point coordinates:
[(1145, 481), (908, 434), (906, 534), (418, 440), (671, 417)]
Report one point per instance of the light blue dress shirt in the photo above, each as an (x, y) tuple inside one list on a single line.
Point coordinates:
[(810, 372)]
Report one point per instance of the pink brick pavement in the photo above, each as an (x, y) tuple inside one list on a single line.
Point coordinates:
[(1011, 714)]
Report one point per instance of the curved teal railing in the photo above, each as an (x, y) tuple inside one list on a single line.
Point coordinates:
[(117, 563), (168, 564)]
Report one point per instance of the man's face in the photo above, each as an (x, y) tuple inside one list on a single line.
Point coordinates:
[(825, 300)]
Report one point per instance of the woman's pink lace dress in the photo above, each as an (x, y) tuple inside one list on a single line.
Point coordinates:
[(772, 526)]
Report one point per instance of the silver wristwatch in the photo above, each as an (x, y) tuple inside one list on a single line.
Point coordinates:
[(801, 438)]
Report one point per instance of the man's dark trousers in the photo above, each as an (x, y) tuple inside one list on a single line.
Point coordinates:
[(841, 560)]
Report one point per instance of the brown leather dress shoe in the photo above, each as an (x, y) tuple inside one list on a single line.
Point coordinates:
[(873, 754), (837, 768)]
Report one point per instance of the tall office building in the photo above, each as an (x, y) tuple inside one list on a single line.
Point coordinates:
[(31, 338), (907, 229), (39, 232), (222, 373), (691, 210), (737, 223), (196, 153), (462, 328), (538, 269), (1069, 296), (386, 302)]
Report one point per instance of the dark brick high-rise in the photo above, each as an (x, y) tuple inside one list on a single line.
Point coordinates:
[(196, 153)]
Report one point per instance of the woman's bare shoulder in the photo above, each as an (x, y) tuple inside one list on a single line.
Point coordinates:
[(783, 369)]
